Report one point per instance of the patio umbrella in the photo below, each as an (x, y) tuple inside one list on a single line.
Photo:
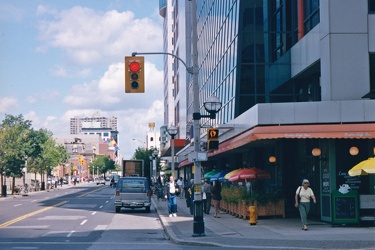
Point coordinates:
[(208, 175), (363, 168), (228, 175), (219, 176), (250, 174)]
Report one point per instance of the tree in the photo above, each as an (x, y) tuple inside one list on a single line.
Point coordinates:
[(14, 145), (104, 163)]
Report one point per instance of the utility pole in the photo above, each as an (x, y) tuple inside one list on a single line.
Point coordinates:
[(198, 227)]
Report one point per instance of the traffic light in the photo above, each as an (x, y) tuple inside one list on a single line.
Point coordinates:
[(134, 74), (80, 160), (212, 138)]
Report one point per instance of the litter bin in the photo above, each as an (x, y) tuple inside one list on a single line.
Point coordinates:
[(198, 226), (4, 190), (253, 215)]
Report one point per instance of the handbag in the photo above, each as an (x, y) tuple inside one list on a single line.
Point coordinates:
[(204, 197)]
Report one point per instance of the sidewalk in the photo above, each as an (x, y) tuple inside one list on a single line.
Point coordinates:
[(274, 233)]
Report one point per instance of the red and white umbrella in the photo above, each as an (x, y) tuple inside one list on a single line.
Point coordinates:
[(250, 174)]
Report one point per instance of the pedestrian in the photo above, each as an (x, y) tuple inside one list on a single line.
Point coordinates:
[(190, 196), (206, 196), (180, 184), (56, 182), (216, 197), (61, 181), (303, 195), (171, 190)]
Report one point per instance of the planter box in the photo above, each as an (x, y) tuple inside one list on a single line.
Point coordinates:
[(271, 208)]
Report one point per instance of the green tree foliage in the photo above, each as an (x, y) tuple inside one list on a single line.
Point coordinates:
[(18, 142), (14, 145), (104, 163)]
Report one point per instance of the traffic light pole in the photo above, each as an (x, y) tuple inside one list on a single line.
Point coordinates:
[(198, 227)]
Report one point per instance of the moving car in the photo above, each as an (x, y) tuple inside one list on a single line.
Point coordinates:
[(100, 180), (132, 192)]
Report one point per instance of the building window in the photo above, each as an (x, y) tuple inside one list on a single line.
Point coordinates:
[(371, 6), (311, 14), (372, 71)]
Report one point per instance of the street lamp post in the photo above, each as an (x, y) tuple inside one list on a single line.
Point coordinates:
[(172, 131)]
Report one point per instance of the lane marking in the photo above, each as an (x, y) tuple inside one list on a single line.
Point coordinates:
[(33, 200), (106, 201), (17, 205), (83, 222), (70, 234), (101, 206), (82, 195), (93, 213), (30, 214)]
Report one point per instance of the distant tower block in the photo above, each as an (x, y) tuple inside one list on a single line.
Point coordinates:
[(151, 126)]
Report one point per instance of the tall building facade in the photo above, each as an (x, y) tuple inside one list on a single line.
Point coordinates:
[(293, 77), (78, 124)]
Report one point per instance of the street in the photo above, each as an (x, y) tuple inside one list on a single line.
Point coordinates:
[(77, 217)]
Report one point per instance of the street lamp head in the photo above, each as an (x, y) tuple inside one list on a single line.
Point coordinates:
[(212, 104), (172, 131)]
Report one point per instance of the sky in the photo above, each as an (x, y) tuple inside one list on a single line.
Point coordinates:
[(65, 58)]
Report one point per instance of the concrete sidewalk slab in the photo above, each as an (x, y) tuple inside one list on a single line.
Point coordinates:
[(274, 233)]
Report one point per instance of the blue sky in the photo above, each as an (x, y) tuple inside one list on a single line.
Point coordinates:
[(65, 58)]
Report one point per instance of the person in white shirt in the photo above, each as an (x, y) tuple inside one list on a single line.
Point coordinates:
[(303, 195), (171, 190)]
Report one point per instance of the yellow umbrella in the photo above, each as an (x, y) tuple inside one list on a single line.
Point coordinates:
[(228, 175), (363, 168)]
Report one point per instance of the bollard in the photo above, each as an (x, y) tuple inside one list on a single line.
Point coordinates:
[(253, 215)]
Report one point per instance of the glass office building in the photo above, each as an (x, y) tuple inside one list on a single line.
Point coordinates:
[(294, 76)]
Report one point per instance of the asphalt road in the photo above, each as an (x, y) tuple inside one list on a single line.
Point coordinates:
[(77, 217)]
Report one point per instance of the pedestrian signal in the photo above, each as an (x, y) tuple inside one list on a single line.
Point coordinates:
[(134, 74), (212, 138)]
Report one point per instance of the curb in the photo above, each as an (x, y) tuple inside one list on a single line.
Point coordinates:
[(171, 236)]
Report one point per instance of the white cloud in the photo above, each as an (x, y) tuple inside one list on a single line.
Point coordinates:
[(87, 36), (7, 104)]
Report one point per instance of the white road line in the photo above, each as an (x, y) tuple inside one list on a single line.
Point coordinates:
[(106, 201), (93, 213), (17, 205), (101, 207), (33, 200), (83, 222), (70, 234)]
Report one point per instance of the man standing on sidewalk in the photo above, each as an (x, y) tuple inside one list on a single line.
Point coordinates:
[(206, 194)]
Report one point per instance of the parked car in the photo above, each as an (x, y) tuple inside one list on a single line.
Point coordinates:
[(100, 180), (132, 192)]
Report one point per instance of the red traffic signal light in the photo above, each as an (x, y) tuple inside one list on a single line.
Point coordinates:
[(134, 74)]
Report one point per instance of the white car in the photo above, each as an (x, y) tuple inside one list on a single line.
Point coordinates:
[(100, 180)]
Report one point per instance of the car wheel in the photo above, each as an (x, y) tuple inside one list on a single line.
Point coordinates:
[(148, 209), (118, 209)]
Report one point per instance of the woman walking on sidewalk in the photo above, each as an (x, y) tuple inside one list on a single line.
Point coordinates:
[(216, 198), (302, 197)]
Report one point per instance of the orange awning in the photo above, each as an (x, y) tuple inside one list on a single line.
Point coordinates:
[(344, 131), (184, 163), (178, 145)]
